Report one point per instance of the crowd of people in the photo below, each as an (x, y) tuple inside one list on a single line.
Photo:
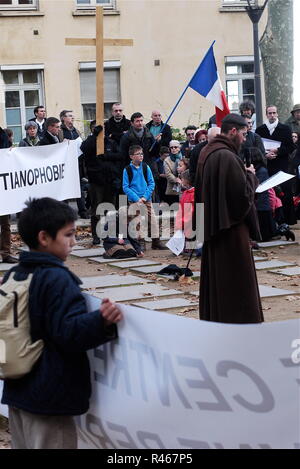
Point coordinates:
[(102, 176), (219, 168)]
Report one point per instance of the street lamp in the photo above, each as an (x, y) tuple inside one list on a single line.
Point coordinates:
[(255, 12)]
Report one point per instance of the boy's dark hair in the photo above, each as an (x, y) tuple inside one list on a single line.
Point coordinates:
[(51, 121), (43, 214), (164, 150), (232, 121), (133, 149), (190, 127), (135, 115)]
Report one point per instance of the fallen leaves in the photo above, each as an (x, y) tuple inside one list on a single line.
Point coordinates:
[(293, 298), (186, 280)]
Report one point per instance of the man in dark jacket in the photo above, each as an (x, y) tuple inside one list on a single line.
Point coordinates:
[(58, 386), (52, 134), (67, 129), (104, 174), (139, 134), (162, 137), (278, 159), (228, 287), (117, 125)]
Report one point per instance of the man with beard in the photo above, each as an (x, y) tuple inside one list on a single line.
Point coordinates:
[(228, 287)]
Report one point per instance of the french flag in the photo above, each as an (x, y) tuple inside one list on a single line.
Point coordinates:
[(206, 81)]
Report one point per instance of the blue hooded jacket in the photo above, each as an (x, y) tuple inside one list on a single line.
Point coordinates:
[(59, 383)]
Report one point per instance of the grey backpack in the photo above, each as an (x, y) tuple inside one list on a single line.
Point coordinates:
[(17, 352)]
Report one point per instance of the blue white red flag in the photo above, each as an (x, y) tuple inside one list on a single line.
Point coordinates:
[(206, 81)]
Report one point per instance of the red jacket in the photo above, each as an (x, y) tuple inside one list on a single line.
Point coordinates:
[(185, 213)]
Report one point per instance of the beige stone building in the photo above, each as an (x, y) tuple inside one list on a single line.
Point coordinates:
[(170, 39)]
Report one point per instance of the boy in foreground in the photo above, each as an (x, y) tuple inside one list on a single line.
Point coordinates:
[(43, 402)]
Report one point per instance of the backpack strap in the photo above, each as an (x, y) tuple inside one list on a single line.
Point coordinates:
[(145, 171), (130, 172)]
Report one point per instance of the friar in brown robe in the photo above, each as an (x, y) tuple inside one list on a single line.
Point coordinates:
[(228, 284)]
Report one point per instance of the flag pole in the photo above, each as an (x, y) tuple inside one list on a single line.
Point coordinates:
[(176, 105)]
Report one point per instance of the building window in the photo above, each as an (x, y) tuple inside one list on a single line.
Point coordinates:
[(110, 4), (239, 82), (22, 91), (18, 4), (88, 91)]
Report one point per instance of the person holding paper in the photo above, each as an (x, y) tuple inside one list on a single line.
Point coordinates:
[(228, 284), (278, 158)]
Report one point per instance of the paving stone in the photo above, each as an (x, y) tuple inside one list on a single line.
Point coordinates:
[(137, 292), (101, 260), (4, 266), (152, 269), (257, 258), (158, 305), (89, 252), (105, 281), (271, 244), (127, 264), (288, 271), (272, 264), (266, 292)]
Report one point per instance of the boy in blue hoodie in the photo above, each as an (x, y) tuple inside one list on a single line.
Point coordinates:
[(138, 185), (43, 402)]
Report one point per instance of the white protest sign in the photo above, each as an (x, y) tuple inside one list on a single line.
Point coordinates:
[(173, 382), (42, 171)]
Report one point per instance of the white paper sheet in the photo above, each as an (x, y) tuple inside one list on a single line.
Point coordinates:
[(273, 181), (176, 243), (270, 144)]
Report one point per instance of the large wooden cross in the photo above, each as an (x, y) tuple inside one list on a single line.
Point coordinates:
[(99, 42)]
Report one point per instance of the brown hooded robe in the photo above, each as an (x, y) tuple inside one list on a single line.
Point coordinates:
[(228, 284)]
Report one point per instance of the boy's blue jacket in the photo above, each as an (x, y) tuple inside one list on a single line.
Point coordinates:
[(138, 187), (59, 383)]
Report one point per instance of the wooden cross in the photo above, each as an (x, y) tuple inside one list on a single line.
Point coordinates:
[(99, 42)]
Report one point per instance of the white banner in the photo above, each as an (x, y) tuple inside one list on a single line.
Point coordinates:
[(46, 171), (173, 382)]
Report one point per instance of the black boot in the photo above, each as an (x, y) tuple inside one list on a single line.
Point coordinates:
[(96, 239)]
